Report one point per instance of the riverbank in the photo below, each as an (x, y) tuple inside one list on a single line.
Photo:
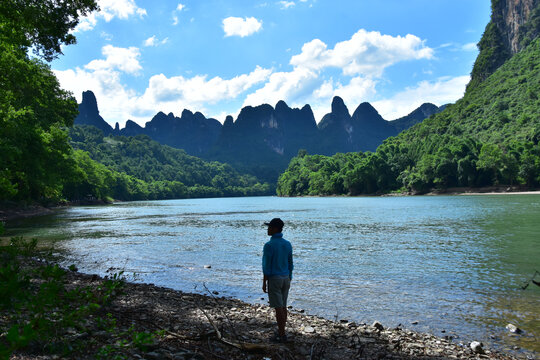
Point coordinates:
[(193, 326), (490, 190), (14, 212)]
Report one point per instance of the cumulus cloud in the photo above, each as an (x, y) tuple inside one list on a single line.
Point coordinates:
[(154, 41), (366, 53), (117, 58), (180, 7), (237, 26), (110, 9), (295, 87), (442, 91), (117, 102), (199, 90), (362, 59)]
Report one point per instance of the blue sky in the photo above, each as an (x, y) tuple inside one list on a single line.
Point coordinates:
[(215, 56)]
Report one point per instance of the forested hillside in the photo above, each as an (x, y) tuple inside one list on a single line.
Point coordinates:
[(165, 172), (489, 137)]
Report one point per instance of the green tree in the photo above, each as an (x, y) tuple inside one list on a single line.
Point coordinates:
[(44, 25), (34, 110)]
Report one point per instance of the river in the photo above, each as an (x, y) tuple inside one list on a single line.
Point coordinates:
[(448, 265)]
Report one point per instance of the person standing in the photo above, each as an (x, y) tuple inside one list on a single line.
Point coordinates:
[(277, 266)]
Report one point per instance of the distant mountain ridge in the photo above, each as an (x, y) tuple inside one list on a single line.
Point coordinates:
[(263, 138)]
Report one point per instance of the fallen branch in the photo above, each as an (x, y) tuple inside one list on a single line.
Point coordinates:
[(239, 345)]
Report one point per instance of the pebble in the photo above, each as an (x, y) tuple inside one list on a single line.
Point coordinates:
[(477, 347), (153, 355), (309, 329), (513, 329), (309, 335)]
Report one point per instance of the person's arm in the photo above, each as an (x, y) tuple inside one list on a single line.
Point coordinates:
[(291, 265), (265, 266)]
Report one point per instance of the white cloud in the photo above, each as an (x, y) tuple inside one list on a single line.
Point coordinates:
[(358, 90), (153, 41), (106, 36), (123, 59), (110, 9), (442, 91), (295, 87), (286, 4), (470, 47), (179, 7), (236, 26), (366, 53), (118, 103), (198, 90), (362, 59)]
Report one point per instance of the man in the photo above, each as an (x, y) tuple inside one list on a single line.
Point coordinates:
[(277, 265)]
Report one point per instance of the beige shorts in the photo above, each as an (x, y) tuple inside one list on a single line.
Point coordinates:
[(278, 291)]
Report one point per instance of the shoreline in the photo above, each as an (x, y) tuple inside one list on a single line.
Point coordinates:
[(12, 212), (198, 326)]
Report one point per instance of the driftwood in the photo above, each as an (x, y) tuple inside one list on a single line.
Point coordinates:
[(247, 346)]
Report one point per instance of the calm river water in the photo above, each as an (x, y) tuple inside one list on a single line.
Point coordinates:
[(454, 264)]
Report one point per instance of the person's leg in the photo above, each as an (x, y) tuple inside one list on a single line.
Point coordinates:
[(281, 317), (283, 311)]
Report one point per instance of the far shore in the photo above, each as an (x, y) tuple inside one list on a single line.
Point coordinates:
[(13, 211)]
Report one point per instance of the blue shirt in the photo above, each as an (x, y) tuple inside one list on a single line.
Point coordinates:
[(277, 257)]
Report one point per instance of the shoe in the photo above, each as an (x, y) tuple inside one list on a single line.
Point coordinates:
[(278, 339)]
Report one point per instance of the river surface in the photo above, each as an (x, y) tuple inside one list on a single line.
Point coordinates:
[(454, 264)]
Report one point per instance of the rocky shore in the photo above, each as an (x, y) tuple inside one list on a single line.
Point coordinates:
[(193, 326)]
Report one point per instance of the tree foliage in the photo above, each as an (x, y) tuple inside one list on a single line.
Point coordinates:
[(44, 25), (489, 137), (34, 110), (136, 168)]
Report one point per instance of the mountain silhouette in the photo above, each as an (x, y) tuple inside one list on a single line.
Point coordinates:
[(263, 139)]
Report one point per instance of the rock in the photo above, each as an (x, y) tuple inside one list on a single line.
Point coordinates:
[(477, 347), (414, 322), (377, 325), (207, 266), (343, 321), (309, 329), (215, 292), (153, 355), (513, 329)]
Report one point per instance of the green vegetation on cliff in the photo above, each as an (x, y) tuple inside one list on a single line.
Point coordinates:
[(140, 168), (489, 137)]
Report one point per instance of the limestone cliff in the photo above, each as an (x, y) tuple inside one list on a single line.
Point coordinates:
[(510, 16), (514, 23)]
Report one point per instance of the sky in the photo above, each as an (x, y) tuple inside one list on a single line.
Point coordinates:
[(140, 57)]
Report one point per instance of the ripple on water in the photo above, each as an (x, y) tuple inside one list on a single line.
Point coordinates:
[(451, 263)]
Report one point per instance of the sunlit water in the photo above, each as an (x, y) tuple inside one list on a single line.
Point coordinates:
[(454, 264)]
